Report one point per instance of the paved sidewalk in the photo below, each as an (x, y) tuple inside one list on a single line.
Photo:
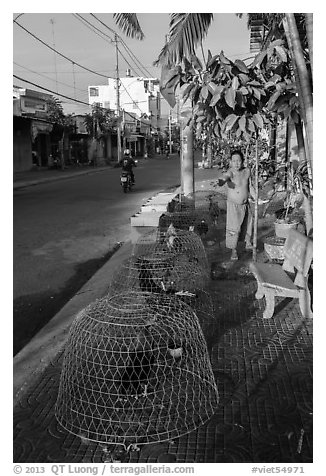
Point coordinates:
[(263, 370)]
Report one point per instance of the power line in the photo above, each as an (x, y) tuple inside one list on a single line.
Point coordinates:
[(46, 77), (50, 91), (92, 27), (124, 45), (60, 54)]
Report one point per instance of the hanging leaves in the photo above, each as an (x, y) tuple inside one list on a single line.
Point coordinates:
[(196, 63), (204, 92), (235, 83), (217, 95), (230, 97), (223, 59), (281, 53), (259, 58), (258, 120), (240, 99), (242, 122), (244, 78), (241, 66), (230, 121), (187, 91)]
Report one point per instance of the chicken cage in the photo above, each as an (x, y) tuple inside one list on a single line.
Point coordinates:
[(172, 242), (135, 371)]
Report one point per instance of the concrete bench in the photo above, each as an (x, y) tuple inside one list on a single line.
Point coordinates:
[(288, 280)]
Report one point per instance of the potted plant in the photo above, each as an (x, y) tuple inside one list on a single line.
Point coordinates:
[(289, 217)]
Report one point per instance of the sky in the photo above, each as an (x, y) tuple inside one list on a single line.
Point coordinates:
[(81, 43)]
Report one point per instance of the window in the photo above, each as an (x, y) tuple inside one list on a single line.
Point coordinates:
[(93, 91)]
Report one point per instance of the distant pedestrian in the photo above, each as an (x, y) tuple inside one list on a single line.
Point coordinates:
[(239, 216)]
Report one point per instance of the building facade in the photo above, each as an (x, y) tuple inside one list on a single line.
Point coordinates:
[(31, 129), (140, 103)]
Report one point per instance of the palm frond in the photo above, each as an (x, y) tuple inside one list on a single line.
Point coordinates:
[(128, 23), (187, 30)]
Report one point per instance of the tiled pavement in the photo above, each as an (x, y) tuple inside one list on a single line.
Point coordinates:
[(263, 370)]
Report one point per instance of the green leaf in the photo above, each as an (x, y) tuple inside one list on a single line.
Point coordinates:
[(259, 58), (196, 63), (244, 90), (217, 95), (223, 59), (281, 53), (254, 83), (256, 93), (240, 99), (251, 125), (212, 87), (273, 99), (217, 130), (212, 61), (200, 118), (230, 121), (230, 97), (242, 122), (278, 42), (258, 120), (204, 92), (269, 84), (244, 78), (209, 57), (187, 91), (235, 83), (241, 66)]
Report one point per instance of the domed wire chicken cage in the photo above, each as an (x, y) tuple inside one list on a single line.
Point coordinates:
[(135, 371), (159, 273), (194, 213), (173, 241)]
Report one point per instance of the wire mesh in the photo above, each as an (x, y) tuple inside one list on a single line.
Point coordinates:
[(172, 242), (135, 370), (159, 273)]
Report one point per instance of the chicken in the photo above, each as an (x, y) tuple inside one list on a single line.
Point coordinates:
[(134, 379), (147, 283), (201, 228), (136, 374)]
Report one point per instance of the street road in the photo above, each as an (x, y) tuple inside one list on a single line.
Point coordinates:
[(65, 230)]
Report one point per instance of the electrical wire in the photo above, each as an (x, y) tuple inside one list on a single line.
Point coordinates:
[(74, 63), (125, 46), (46, 77), (60, 54), (50, 91)]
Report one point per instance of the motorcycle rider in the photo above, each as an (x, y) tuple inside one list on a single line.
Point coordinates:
[(127, 164)]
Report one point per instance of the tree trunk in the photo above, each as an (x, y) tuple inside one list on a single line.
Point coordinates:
[(309, 31), (302, 158), (304, 86), (254, 249), (187, 162), (272, 140)]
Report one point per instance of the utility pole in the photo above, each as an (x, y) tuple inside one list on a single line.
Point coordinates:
[(118, 98), (170, 132)]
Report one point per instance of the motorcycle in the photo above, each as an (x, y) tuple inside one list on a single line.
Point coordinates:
[(125, 180)]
